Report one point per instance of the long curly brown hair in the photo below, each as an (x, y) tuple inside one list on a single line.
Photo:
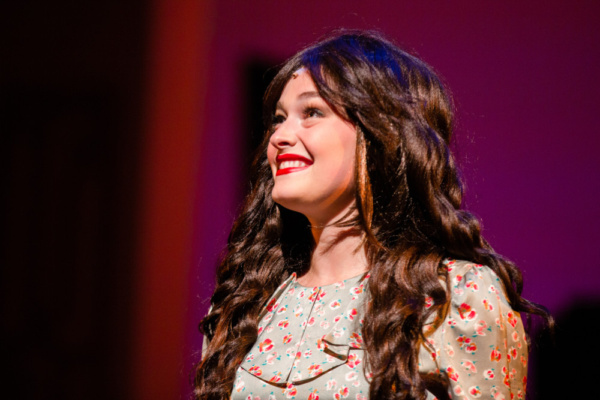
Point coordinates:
[(408, 199)]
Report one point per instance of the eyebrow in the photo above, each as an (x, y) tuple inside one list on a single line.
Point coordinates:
[(302, 96)]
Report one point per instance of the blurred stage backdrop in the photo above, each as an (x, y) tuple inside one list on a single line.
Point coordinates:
[(127, 129)]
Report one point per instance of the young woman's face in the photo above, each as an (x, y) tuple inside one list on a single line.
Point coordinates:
[(311, 153)]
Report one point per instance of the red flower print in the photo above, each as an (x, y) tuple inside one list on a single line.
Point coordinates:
[(457, 390), (272, 305), (524, 361), (265, 345), (314, 370), (495, 355), (480, 328), (350, 376), (335, 304), (512, 353), (268, 317), (357, 290), (356, 340), (282, 310), (452, 374), (466, 344), (313, 396), (284, 323), (493, 289), (331, 384), (342, 393), (469, 366), (320, 344), (471, 348), (487, 305), (352, 313), (275, 378), (311, 321), (428, 302), (307, 353), (472, 285), (353, 360), (466, 312), (239, 386), (488, 374), (512, 319), (255, 370), (290, 391), (474, 391), (287, 338)]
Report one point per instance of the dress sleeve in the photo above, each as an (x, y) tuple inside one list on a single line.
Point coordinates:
[(481, 344)]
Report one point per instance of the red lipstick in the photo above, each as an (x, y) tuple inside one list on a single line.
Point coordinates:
[(291, 157)]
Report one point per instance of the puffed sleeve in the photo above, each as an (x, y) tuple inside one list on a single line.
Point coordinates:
[(481, 344)]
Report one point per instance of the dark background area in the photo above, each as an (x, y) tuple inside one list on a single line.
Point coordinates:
[(71, 90)]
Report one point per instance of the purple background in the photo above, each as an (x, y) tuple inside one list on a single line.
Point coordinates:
[(525, 81), (524, 76)]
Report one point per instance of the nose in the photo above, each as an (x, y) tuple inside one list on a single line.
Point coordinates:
[(284, 136)]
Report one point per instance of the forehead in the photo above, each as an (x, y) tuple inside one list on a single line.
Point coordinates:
[(300, 84)]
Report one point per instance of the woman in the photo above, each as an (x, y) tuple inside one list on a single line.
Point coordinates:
[(341, 277)]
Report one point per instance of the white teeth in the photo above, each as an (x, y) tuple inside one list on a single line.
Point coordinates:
[(292, 164)]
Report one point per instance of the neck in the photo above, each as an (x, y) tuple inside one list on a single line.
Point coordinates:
[(338, 254)]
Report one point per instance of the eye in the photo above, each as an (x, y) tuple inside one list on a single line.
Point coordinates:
[(313, 112), (277, 119)]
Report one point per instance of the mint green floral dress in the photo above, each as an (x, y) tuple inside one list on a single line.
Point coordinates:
[(310, 344)]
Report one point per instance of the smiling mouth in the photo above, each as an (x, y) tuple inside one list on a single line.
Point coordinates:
[(289, 163)]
